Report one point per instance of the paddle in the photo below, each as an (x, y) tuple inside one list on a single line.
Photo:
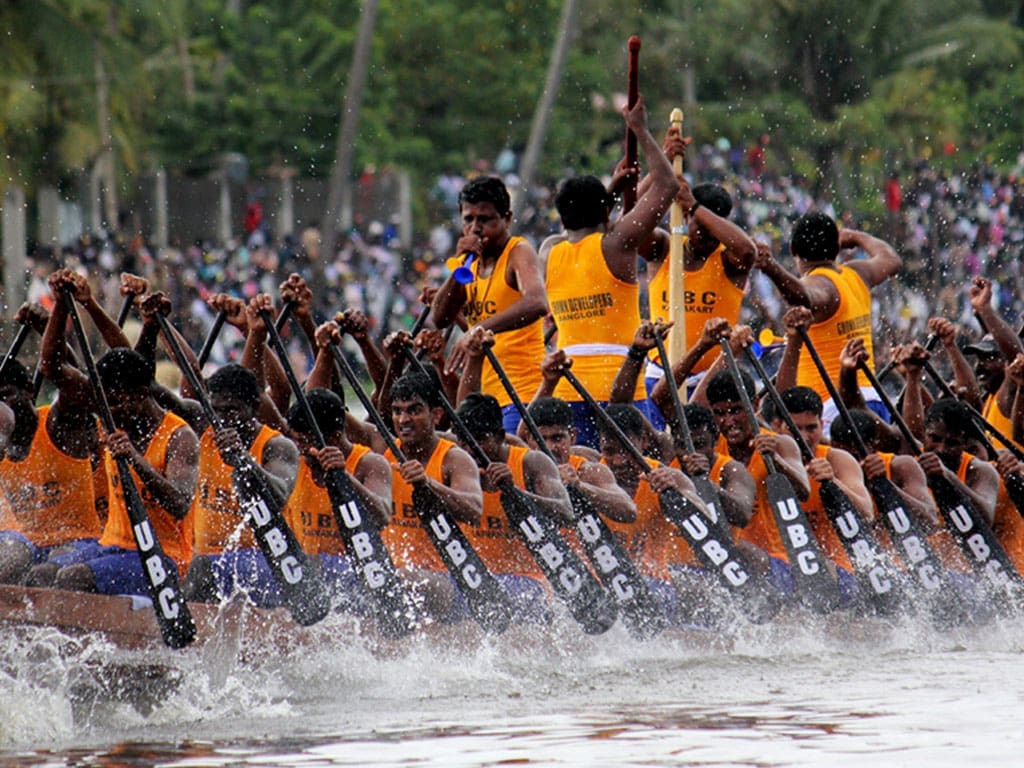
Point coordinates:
[(172, 614), (906, 533), (876, 577), (707, 490), (12, 351), (969, 527), (815, 587), (488, 603), (716, 553), (641, 612), (211, 337), (301, 586), (588, 602), (371, 562)]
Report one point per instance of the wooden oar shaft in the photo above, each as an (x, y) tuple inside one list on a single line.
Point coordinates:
[(12, 352), (211, 337)]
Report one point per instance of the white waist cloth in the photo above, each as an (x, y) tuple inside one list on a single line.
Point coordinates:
[(592, 350)]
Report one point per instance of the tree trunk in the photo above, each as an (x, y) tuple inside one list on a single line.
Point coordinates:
[(545, 104), (340, 189)]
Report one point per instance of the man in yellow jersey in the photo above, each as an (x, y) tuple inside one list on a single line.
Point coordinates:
[(227, 557), (495, 540), (838, 295), (829, 463), (310, 512), (717, 259), (46, 472), (449, 472), (591, 274), (161, 450), (506, 295)]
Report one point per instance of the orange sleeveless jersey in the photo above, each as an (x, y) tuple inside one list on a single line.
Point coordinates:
[(824, 531), (709, 293), (404, 536), (219, 521), (310, 513), (761, 530), (1008, 526), (50, 493), (596, 314), (647, 539), (500, 547), (520, 350), (852, 319), (175, 536)]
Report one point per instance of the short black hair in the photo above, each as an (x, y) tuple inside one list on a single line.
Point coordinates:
[(815, 237), (800, 399), (722, 388), (550, 412), (328, 410), (418, 386), (125, 370), (237, 380), (713, 197), (583, 202), (481, 415), (955, 415), (842, 433), (626, 416), (699, 417), (487, 189), (17, 376)]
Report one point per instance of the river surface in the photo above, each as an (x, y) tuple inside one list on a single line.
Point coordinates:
[(802, 691)]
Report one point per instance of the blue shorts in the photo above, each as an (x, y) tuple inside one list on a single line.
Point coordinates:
[(342, 583), (510, 419), (848, 589), (118, 571), (655, 416), (780, 577), (586, 423), (247, 571), (62, 554), (530, 600)]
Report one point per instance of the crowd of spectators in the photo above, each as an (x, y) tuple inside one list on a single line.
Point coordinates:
[(948, 226)]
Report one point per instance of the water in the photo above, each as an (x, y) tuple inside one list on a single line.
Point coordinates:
[(830, 693)]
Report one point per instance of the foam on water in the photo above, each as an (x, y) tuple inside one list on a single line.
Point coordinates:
[(797, 691)]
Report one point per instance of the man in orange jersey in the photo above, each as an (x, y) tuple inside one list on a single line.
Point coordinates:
[(494, 538), (829, 463), (310, 512), (450, 474), (506, 295), (47, 470), (227, 557), (648, 537), (161, 450), (591, 275), (837, 295)]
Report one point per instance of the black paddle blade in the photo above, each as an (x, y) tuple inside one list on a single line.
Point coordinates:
[(172, 614), (380, 583), (815, 588), (1015, 490), (488, 602), (979, 545), (879, 582), (588, 602), (301, 585), (641, 613)]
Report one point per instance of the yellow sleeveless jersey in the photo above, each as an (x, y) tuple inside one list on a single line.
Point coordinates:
[(994, 416), (708, 293), (219, 521), (310, 513), (851, 320), (404, 536), (520, 350), (175, 536), (51, 495), (596, 314)]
